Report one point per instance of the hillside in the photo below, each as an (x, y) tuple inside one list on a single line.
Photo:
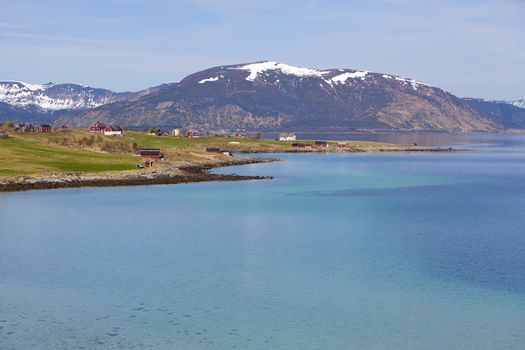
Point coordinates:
[(276, 96), (265, 96)]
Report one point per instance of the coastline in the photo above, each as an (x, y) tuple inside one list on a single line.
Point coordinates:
[(192, 165), (169, 174)]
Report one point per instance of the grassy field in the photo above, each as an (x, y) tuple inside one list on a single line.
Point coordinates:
[(20, 156), (225, 142), (78, 150)]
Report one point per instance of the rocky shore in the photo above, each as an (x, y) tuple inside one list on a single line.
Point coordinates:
[(168, 173), (174, 172)]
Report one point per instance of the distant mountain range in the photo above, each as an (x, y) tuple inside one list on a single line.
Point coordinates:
[(267, 96)]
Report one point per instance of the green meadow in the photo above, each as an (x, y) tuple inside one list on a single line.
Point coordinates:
[(78, 150), (24, 157)]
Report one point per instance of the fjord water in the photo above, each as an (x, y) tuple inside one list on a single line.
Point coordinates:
[(338, 251)]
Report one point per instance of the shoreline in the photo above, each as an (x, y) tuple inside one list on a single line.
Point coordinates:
[(178, 173), (182, 173)]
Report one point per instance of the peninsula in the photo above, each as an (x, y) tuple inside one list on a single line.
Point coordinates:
[(41, 157)]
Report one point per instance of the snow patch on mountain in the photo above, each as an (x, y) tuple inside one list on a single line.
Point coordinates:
[(258, 68), (405, 81), (518, 103), (209, 79), (342, 78)]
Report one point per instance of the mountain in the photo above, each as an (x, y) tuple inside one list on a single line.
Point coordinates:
[(517, 103), (506, 115), (275, 96), (270, 96), (44, 102)]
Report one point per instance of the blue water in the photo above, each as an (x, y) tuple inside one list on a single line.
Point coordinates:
[(339, 251)]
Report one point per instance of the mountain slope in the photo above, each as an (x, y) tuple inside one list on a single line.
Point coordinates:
[(505, 115), (274, 96)]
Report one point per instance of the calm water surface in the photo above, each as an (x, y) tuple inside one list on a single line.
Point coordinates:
[(354, 251)]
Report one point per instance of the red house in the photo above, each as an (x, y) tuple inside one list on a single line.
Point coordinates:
[(191, 133), (97, 127), (299, 145), (44, 128)]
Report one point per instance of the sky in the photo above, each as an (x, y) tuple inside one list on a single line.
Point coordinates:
[(472, 48)]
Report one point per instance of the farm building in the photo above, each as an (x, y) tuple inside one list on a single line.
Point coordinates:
[(113, 130), (152, 153), (24, 127), (254, 135), (176, 132), (341, 145), (192, 133), (321, 144), (287, 136), (44, 128), (97, 127)]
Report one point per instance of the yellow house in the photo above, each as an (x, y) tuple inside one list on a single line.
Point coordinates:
[(176, 132)]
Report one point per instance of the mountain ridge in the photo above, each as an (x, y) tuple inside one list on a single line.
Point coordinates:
[(268, 95)]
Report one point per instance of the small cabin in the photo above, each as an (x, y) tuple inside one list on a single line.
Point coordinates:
[(287, 136), (149, 163), (321, 144), (341, 145), (152, 153), (44, 128)]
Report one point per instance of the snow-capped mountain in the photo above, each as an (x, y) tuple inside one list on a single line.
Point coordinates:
[(261, 71), (265, 96), (53, 97), (270, 95), (517, 103)]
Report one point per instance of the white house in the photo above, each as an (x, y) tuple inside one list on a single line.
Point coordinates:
[(112, 131), (176, 132), (287, 136)]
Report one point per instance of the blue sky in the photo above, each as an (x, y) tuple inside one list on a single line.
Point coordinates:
[(470, 48)]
